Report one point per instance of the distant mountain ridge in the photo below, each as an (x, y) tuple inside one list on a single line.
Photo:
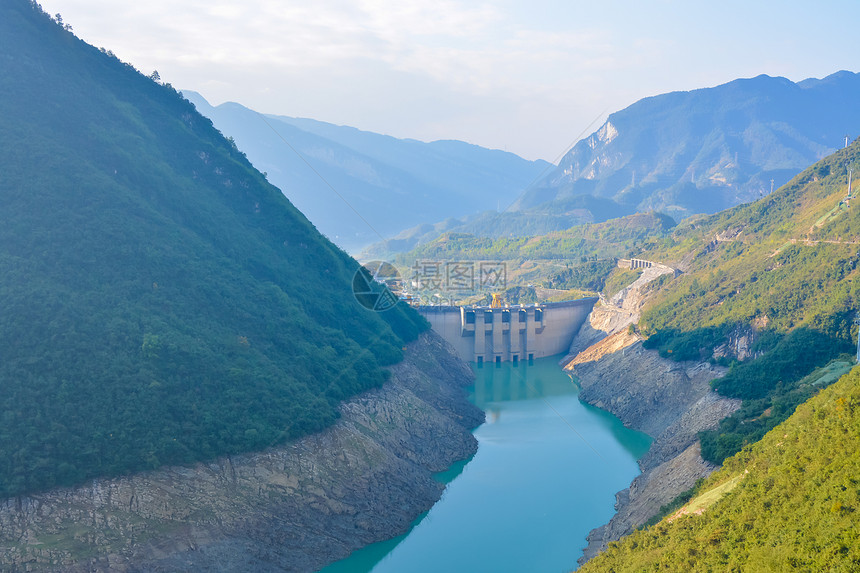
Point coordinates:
[(705, 150), (360, 187)]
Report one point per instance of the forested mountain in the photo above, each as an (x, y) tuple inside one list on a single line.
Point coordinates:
[(359, 187), (486, 224), (704, 150), (680, 153), (160, 301)]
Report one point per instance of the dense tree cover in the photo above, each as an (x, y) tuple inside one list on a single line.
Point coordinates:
[(160, 302), (586, 254), (757, 416), (793, 508), (612, 238), (589, 275)]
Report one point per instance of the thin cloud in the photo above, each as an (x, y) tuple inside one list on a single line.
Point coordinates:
[(495, 73)]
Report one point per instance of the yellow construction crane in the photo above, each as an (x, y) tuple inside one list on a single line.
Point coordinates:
[(497, 300)]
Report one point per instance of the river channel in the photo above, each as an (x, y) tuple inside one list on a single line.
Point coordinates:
[(545, 474)]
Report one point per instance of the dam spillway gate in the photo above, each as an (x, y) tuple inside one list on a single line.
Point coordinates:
[(512, 333)]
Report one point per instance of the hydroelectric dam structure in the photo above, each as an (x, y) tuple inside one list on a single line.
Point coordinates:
[(512, 333)]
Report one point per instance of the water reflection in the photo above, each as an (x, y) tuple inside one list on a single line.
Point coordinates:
[(507, 383), (545, 474)]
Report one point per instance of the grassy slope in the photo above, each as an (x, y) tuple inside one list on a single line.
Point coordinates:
[(793, 507), (772, 263), (160, 302)]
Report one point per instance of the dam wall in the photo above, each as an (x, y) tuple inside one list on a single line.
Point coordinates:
[(512, 333)]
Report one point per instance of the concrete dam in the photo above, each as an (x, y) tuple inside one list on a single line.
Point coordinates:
[(511, 333)]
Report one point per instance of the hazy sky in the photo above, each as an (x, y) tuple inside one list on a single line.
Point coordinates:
[(526, 76)]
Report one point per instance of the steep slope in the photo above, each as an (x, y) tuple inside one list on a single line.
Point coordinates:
[(381, 185), (673, 402), (786, 503), (705, 150), (295, 507), (783, 263), (160, 302), (771, 289)]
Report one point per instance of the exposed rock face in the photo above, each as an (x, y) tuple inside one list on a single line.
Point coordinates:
[(292, 508), (633, 296), (647, 392), (617, 341), (612, 316), (739, 343), (604, 320)]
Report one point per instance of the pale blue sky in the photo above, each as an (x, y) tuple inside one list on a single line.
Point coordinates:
[(523, 76)]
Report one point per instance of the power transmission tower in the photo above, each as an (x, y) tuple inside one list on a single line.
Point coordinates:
[(857, 321)]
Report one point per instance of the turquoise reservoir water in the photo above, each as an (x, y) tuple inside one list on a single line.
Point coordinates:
[(545, 474)]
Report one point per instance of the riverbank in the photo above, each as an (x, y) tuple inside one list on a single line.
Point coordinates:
[(541, 452), (294, 507), (670, 401)]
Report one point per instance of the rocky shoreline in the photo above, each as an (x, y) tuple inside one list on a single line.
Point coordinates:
[(670, 401), (295, 507)]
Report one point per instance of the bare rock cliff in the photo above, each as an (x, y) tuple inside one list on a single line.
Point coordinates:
[(612, 316), (295, 507)]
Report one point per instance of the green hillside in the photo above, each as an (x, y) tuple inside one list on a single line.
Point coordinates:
[(787, 260), (601, 240), (160, 302), (578, 258), (787, 503), (782, 271)]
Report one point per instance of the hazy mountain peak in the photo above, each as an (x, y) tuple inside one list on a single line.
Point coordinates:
[(358, 187), (707, 149)]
